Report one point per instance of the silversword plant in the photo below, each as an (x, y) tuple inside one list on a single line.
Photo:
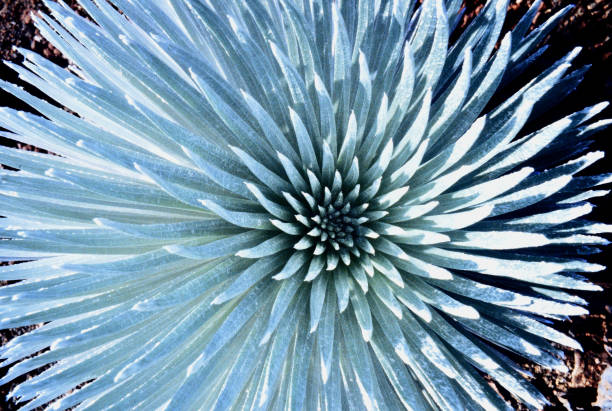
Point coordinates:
[(291, 204)]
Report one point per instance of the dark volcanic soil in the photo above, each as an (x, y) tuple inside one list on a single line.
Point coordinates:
[(590, 26)]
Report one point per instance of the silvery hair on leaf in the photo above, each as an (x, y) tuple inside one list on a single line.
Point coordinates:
[(291, 205)]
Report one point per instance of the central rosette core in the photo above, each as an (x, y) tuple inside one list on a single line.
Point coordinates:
[(334, 224)]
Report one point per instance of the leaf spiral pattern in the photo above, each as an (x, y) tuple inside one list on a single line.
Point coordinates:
[(291, 204)]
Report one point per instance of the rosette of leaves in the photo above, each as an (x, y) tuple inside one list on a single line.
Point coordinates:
[(283, 204)]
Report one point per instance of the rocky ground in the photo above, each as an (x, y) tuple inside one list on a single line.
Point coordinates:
[(590, 26)]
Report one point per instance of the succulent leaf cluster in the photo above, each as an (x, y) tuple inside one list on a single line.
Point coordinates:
[(292, 204)]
